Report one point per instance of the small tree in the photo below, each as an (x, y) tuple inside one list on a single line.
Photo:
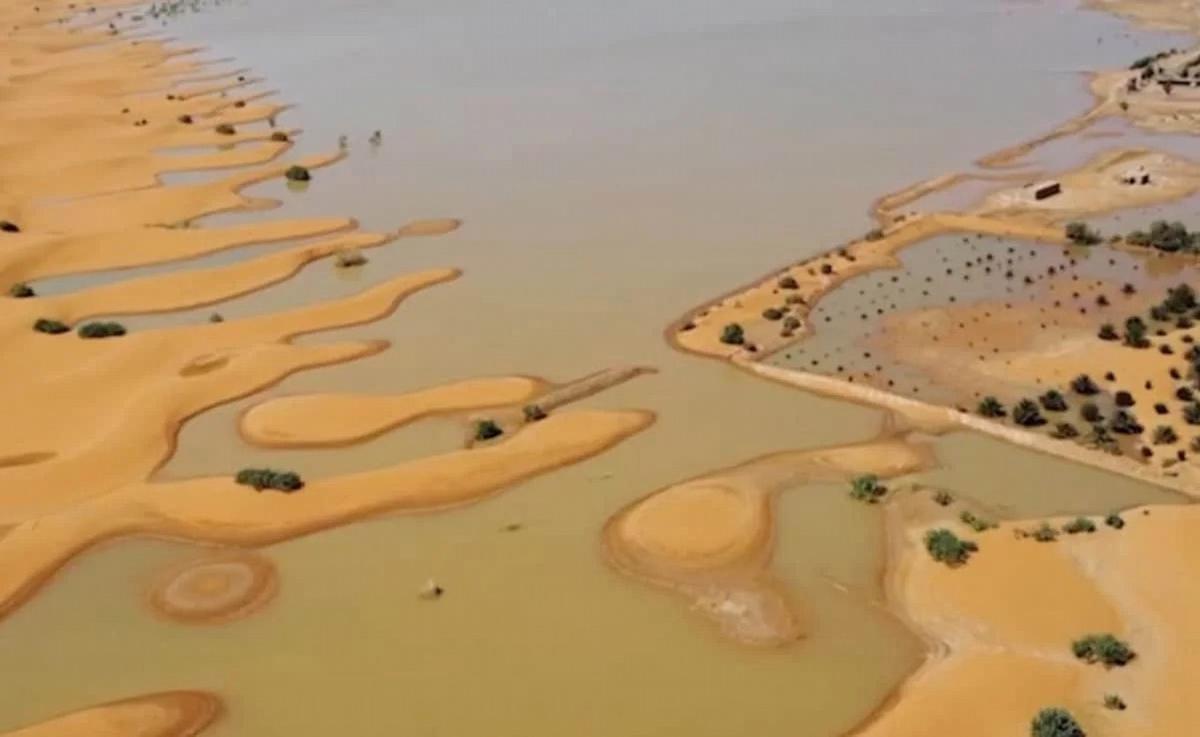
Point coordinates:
[(733, 334), (1084, 385), (1026, 414), (1081, 235), (1053, 401), (1108, 331), (946, 547), (1045, 533), (1106, 649), (867, 488), (991, 407), (487, 429), (1165, 435), (1135, 333), (1055, 722)]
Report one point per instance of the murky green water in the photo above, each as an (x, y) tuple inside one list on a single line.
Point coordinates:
[(615, 164)]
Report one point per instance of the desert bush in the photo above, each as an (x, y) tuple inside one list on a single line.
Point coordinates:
[(976, 523), (297, 173), (280, 137), (867, 488), (1026, 414), (991, 407), (1090, 412), (791, 323), (787, 282), (1045, 533), (1078, 525), (1123, 399), (1053, 401), (226, 129), (349, 257), (1105, 649), (733, 334), (266, 478), (1165, 435), (1108, 331), (1113, 701), (1081, 235), (1124, 423), (1114, 521), (21, 290), (1191, 412), (1135, 333), (873, 234), (1164, 236), (487, 429), (533, 412), (1055, 722), (772, 314), (946, 547), (1084, 385), (1064, 431), (943, 498), (94, 330), (1180, 299), (7, 226), (50, 327)]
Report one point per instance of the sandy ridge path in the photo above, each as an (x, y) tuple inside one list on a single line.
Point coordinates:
[(166, 714)]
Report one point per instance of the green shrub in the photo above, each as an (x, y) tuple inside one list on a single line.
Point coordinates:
[(487, 429), (867, 488), (1045, 533), (297, 173), (533, 412), (1164, 236), (991, 407), (1180, 299), (1026, 414), (1081, 235), (1135, 333), (1105, 649), (1108, 331), (51, 327), (21, 290), (1165, 435), (1084, 385), (977, 524), (1078, 525), (101, 330), (1114, 521), (1053, 401), (733, 334), (943, 498), (946, 547), (1055, 722), (266, 478)]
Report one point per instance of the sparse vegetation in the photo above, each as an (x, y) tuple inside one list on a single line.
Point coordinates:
[(991, 407), (1045, 533), (486, 430), (1108, 331), (946, 547), (1105, 649), (50, 327), (266, 478), (1053, 401), (1084, 385), (733, 334), (1090, 412), (1055, 722), (94, 330), (1191, 413), (1165, 435), (297, 173), (976, 523), (867, 488), (772, 314), (1114, 521), (943, 498), (1078, 525), (1164, 236), (533, 412), (21, 290), (787, 282), (1135, 333), (1026, 414), (1064, 431), (1114, 702), (1124, 423), (1081, 235)]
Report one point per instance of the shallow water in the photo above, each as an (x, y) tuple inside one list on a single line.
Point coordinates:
[(615, 165)]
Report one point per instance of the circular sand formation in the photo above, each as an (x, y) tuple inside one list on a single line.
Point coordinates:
[(215, 589)]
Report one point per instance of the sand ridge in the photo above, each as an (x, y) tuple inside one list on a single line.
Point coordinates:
[(165, 714)]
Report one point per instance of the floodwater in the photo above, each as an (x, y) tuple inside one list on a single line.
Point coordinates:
[(615, 164)]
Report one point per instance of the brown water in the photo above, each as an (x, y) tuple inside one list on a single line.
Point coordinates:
[(615, 165)]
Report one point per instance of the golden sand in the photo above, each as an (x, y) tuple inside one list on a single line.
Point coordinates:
[(89, 112), (166, 714), (709, 539)]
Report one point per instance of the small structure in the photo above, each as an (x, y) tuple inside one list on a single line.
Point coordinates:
[(1044, 190)]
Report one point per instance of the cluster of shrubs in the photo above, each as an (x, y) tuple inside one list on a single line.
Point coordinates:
[(1169, 237), (1081, 235), (946, 547), (1105, 649), (266, 478), (101, 330), (867, 489)]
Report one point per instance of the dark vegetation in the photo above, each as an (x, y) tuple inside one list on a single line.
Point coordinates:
[(487, 429), (266, 478), (50, 327), (1055, 722), (946, 547), (21, 290), (867, 489), (101, 330), (1105, 649)]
